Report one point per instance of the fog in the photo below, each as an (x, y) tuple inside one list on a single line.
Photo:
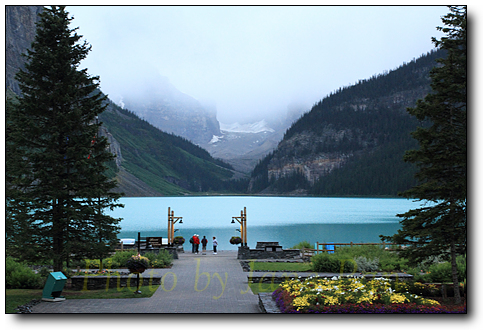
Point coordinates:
[(251, 62)]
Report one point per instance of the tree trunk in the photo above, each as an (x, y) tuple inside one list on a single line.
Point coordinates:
[(454, 270), (58, 236)]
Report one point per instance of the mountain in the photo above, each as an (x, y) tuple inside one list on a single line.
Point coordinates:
[(19, 34), (148, 162), (169, 164), (257, 127), (242, 145), (351, 142), (152, 97)]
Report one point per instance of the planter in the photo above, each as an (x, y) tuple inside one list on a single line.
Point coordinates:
[(137, 264), (235, 240), (178, 240), (137, 270)]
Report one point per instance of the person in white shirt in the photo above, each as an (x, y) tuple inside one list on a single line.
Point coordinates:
[(215, 244)]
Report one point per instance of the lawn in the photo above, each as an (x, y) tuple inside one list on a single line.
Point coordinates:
[(16, 297)]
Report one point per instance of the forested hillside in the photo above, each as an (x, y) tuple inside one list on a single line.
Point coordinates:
[(351, 142), (170, 164)]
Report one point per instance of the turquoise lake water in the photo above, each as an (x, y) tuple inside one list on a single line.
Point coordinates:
[(287, 220)]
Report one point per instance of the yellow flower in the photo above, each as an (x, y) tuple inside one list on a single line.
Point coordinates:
[(430, 302), (329, 300), (402, 287), (368, 299), (398, 298), (301, 302)]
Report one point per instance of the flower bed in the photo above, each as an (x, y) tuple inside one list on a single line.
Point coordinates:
[(353, 295)]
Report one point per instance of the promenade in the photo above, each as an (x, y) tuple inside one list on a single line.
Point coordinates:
[(195, 284)]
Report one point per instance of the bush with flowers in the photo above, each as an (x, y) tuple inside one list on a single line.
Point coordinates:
[(235, 240), (179, 240), (351, 295), (137, 263)]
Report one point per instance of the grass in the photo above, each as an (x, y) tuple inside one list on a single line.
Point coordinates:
[(263, 287), (281, 266), (17, 297)]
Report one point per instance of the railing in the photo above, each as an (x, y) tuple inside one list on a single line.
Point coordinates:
[(142, 243)]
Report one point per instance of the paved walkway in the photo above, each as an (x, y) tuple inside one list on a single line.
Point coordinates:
[(195, 284)]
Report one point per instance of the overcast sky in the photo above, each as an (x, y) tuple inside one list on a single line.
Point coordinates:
[(252, 61)]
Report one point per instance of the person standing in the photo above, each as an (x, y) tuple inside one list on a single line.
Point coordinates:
[(196, 240), (215, 244), (204, 242), (192, 241)]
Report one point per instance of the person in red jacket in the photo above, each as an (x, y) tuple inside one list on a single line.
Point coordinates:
[(196, 241)]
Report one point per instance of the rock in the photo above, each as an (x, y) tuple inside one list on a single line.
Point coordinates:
[(19, 34), (26, 309)]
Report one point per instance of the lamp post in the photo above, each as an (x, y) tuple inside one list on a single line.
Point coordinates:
[(171, 221), (242, 220)]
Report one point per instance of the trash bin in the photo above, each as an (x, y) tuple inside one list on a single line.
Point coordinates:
[(330, 247), (53, 287)]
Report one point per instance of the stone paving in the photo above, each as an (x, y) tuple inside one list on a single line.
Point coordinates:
[(196, 283)]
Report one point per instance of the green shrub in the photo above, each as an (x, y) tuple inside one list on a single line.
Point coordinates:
[(367, 265), (367, 257), (303, 244), (44, 272), (20, 276), (388, 260), (442, 273), (347, 266), (119, 259), (325, 262), (91, 263), (165, 257), (161, 260)]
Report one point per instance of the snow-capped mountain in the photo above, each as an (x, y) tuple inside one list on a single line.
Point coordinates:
[(257, 127), (242, 145)]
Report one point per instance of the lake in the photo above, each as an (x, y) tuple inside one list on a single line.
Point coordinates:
[(287, 220)]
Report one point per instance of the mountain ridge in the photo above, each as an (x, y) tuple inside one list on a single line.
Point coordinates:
[(156, 100), (329, 144), (148, 162)]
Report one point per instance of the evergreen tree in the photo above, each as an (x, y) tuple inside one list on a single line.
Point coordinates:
[(439, 228), (56, 186)]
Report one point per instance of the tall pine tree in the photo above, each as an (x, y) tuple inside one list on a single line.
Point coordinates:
[(56, 187), (439, 227)]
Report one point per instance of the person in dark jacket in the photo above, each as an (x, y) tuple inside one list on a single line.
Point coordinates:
[(204, 242)]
